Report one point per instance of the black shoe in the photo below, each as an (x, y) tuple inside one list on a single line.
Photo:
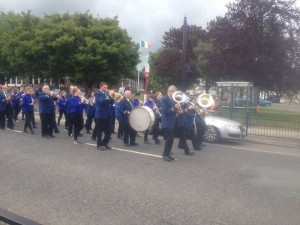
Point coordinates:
[(134, 144), (171, 157), (80, 135), (93, 139), (120, 137), (197, 149), (158, 142), (25, 131), (52, 136), (107, 147), (126, 144), (167, 158), (88, 132), (32, 132), (101, 148), (147, 142), (35, 127), (56, 131), (189, 153)]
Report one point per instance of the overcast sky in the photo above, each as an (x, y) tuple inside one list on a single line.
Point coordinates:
[(143, 19)]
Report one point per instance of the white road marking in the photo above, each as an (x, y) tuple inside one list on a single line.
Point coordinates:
[(17, 131), (270, 152), (135, 152)]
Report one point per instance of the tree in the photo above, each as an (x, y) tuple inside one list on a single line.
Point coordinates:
[(256, 41), (84, 48), (169, 62)]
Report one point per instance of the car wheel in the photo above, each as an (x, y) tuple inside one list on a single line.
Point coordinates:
[(211, 135)]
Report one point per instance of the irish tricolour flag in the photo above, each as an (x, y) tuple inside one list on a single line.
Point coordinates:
[(145, 44)]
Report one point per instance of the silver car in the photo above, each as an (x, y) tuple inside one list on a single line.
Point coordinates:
[(219, 128)]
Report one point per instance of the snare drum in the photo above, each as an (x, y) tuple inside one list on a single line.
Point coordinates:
[(141, 118)]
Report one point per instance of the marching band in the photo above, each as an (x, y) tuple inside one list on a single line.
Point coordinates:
[(104, 107)]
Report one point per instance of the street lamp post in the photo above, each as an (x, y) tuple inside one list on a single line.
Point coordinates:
[(183, 65)]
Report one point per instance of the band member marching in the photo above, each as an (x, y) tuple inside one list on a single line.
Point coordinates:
[(168, 112), (151, 104), (68, 110), (46, 109), (76, 106), (28, 109), (62, 108), (103, 117), (125, 109), (90, 112), (182, 123)]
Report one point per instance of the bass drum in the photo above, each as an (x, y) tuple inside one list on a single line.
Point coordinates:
[(141, 118)]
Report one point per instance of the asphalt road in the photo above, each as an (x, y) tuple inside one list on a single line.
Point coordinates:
[(53, 181)]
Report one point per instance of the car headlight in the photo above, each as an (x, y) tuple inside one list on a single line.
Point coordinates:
[(232, 128)]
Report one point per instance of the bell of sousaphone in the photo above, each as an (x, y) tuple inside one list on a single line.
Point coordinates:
[(205, 100)]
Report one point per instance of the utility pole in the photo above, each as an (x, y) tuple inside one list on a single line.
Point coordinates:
[(183, 65)]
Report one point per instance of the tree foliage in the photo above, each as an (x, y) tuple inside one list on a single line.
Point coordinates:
[(168, 64), (78, 45), (256, 41)]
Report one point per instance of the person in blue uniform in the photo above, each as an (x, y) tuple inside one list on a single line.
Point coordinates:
[(150, 103), (125, 109), (46, 110), (103, 116), (61, 103), (76, 107), (136, 102), (3, 106), (118, 115), (112, 112), (16, 103), (5, 109), (182, 125), (68, 110), (28, 109), (90, 112), (199, 128), (168, 119)]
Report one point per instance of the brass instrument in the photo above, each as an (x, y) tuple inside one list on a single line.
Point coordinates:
[(204, 100), (83, 99)]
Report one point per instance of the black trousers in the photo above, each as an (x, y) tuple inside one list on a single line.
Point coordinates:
[(88, 122), (69, 123), (197, 135), (182, 138), (77, 124), (129, 133), (113, 124), (169, 139), (47, 123), (62, 113), (155, 129), (103, 125), (29, 116), (16, 110), (2, 119)]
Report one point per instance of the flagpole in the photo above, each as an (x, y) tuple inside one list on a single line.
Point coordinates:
[(138, 83)]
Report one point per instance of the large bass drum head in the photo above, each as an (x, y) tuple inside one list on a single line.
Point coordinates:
[(141, 118)]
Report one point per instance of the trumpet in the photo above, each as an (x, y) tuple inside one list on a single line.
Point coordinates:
[(83, 99)]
